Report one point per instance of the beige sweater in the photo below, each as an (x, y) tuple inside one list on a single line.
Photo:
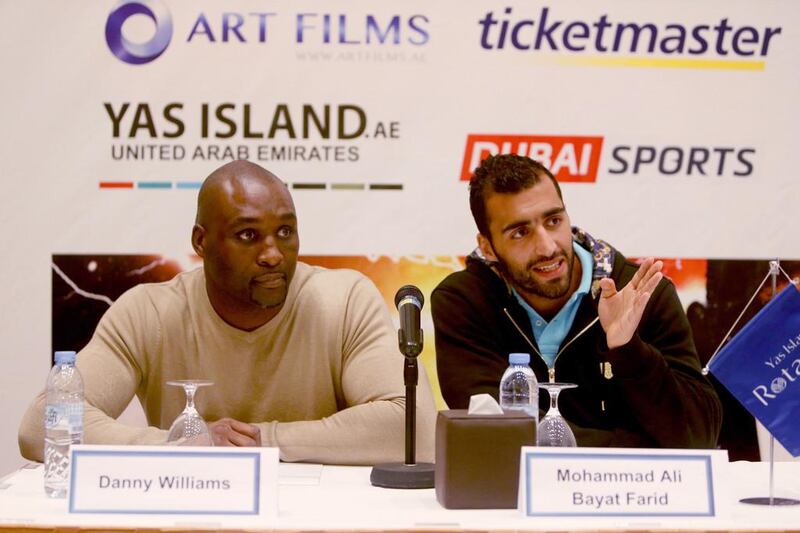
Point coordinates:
[(323, 379)]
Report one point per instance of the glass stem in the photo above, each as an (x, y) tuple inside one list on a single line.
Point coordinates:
[(554, 402), (190, 390)]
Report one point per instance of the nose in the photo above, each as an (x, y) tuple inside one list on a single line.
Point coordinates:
[(269, 254), (544, 244)]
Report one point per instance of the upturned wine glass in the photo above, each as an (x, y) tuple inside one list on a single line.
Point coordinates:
[(189, 429), (553, 429)]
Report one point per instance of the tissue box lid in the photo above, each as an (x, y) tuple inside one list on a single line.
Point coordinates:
[(458, 414)]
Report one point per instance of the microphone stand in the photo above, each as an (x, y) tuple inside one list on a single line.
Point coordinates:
[(774, 269), (409, 474)]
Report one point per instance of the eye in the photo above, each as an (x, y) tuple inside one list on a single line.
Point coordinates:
[(284, 232), (554, 221), (518, 233), (247, 235)]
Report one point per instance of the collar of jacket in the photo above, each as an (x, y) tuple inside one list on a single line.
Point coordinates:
[(602, 257)]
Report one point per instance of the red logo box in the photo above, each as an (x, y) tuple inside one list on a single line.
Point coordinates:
[(570, 158)]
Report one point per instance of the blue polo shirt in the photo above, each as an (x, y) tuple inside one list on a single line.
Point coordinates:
[(550, 335)]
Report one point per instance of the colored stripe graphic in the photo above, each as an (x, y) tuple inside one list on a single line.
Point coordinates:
[(348, 186), (644, 62), (194, 185), (116, 185), (154, 185)]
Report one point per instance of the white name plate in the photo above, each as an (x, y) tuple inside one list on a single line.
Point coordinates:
[(618, 482), (173, 480)]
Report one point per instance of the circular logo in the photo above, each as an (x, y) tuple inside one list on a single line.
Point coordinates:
[(138, 53), (777, 385)]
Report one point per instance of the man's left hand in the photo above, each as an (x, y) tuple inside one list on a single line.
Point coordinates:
[(621, 311), (231, 432)]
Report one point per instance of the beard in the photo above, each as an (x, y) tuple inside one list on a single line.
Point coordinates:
[(268, 299), (526, 280)]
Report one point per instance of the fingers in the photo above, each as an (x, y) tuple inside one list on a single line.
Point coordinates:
[(654, 269), (247, 434), (643, 277), (219, 432), (226, 436), (230, 432), (246, 429), (650, 283), (607, 288), (643, 268)]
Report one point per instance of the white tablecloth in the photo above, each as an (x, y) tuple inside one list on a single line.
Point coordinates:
[(316, 497)]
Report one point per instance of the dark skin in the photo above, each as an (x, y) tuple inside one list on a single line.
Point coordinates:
[(246, 234)]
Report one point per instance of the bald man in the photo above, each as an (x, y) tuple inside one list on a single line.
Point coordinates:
[(302, 358)]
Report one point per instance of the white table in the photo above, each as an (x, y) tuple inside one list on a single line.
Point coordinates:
[(326, 498)]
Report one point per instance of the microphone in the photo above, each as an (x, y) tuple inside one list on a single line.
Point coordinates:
[(409, 302), (408, 474)]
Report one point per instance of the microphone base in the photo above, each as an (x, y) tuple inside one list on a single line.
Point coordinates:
[(402, 476)]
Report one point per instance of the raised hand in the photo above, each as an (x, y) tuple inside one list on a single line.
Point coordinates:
[(621, 310), (230, 432)]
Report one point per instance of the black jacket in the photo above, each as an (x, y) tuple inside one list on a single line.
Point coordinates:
[(653, 396)]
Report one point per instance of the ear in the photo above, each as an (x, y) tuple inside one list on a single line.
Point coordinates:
[(198, 238), (486, 247)]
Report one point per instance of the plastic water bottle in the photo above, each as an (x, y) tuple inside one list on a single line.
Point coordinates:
[(519, 390), (63, 422)]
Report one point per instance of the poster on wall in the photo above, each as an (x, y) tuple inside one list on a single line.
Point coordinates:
[(671, 127)]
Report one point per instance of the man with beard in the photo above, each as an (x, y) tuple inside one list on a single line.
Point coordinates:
[(588, 316), (302, 358)]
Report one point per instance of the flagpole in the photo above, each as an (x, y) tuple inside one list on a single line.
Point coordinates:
[(774, 269), (771, 469)]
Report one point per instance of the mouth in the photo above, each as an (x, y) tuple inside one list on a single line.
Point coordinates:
[(270, 281), (551, 268)]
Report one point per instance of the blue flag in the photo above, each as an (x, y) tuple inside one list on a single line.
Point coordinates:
[(761, 367)]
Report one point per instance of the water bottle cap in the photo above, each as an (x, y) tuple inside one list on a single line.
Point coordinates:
[(519, 358), (65, 358)]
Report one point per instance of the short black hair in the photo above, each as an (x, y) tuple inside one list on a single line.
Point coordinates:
[(506, 173)]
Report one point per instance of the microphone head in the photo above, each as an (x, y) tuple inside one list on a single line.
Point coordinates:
[(408, 291)]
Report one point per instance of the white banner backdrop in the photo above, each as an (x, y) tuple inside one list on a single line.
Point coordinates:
[(671, 125)]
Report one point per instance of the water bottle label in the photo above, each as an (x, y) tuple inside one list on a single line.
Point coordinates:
[(67, 417)]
